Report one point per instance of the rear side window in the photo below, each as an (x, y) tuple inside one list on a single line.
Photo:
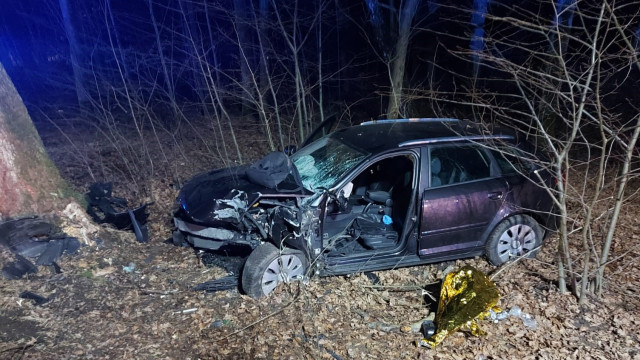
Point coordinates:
[(511, 161), (456, 164)]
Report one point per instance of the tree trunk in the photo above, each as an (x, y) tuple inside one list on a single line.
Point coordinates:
[(83, 98), (29, 182), (407, 14), (245, 54), (477, 39)]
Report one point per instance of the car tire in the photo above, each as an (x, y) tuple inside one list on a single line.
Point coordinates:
[(513, 237), (263, 270)]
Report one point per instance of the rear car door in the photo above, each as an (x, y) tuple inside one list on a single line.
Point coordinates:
[(464, 195)]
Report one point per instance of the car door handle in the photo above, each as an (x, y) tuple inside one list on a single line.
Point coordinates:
[(496, 195)]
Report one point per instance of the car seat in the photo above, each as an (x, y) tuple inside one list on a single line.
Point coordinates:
[(436, 167)]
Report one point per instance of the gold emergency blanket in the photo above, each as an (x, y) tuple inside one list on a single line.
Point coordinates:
[(466, 295)]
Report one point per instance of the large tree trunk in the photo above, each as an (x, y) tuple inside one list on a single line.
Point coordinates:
[(29, 182)]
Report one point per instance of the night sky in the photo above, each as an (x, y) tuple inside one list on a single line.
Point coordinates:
[(199, 45)]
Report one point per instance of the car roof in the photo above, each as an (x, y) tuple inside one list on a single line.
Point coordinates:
[(380, 136)]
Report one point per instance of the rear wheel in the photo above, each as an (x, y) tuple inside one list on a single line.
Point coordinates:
[(513, 237), (267, 267)]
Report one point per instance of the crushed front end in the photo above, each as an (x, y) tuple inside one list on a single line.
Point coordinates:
[(226, 208)]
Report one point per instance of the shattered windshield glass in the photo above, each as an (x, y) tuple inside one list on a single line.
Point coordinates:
[(325, 161)]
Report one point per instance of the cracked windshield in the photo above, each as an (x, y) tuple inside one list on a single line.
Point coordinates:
[(325, 161)]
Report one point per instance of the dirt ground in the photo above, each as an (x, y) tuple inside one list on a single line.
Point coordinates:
[(100, 310)]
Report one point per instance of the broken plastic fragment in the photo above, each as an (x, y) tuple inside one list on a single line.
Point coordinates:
[(129, 269), (186, 311), (18, 268), (497, 316), (216, 324), (51, 253), (466, 295), (230, 209), (141, 231), (527, 319), (37, 299), (226, 283), (375, 280), (428, 328), (105, 208)]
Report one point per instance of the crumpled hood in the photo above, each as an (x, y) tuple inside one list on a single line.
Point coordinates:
[(198, 197), (219, 197)]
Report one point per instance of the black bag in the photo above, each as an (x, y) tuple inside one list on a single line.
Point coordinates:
[(272, 171)]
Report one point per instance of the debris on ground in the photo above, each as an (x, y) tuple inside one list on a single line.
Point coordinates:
[(101, 312), (375, 280), (229, 282), (103, 207), (428, 328), (130, 268), (466, 295), (19, 268), (76, 223), (37, 299), (185, 311), (527, 320), (33, 237), (232, 260)]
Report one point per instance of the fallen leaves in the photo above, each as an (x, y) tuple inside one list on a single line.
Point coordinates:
[(99, 311)]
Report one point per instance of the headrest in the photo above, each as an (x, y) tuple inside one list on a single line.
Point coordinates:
[(436, 165)]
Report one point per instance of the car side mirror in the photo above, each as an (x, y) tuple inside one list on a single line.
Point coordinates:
[(290, 149)]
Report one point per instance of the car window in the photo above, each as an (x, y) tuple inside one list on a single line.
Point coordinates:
[(325, 161), (511, 160), (456, 164), (384, 175)]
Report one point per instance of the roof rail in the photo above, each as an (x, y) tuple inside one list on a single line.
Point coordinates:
[(389, 121), (455, 139)]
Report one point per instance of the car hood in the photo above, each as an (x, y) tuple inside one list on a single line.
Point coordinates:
[(222, 196)]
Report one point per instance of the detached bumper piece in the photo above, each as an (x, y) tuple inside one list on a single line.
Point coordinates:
[(466, 296), (32, 238), (104, 208)]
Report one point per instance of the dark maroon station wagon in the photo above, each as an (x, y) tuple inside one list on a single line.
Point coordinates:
[(380, 195)]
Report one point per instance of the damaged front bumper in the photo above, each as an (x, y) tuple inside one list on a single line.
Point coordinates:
[(211, 238)]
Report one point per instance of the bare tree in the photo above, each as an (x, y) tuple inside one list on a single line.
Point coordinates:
[(29, 181), (477, 38), (577, 75), (398, 61), (74, 52)]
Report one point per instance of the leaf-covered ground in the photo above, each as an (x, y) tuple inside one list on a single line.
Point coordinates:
[(99, 310)]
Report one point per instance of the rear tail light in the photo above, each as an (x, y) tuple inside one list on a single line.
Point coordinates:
[(564, 179)]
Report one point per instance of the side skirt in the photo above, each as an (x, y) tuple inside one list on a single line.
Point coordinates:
[(373, 264)]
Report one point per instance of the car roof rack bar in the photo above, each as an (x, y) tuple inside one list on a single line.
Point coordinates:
[(455, 139), (389, 121)]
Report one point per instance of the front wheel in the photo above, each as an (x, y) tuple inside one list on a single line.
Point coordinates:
[(513, 237), (267, 267)]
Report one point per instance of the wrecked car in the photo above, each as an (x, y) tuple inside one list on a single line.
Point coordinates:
[(380, 195)]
